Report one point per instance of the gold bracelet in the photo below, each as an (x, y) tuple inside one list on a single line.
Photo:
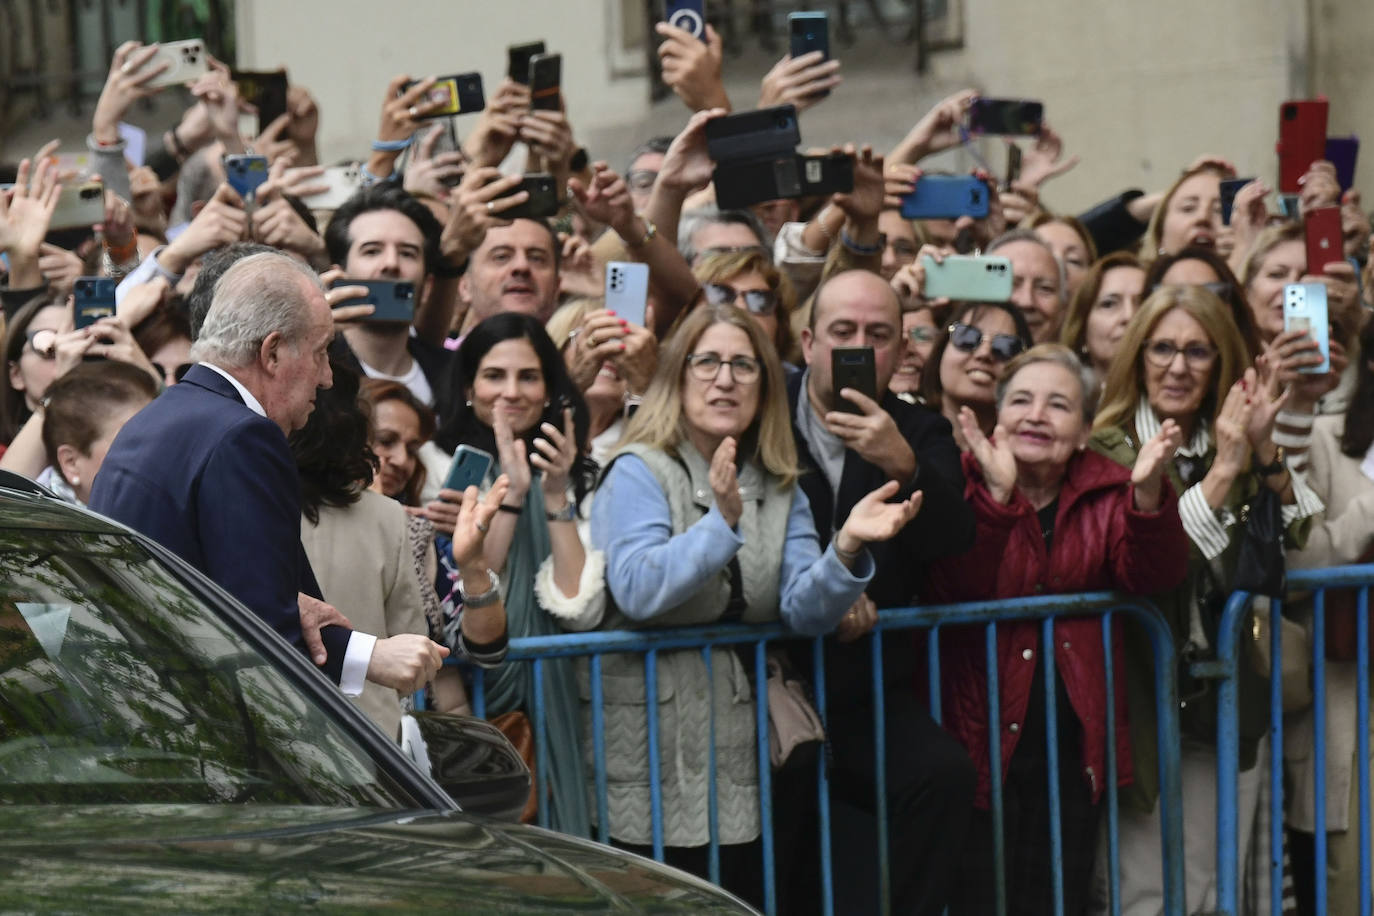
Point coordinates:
[(650, 230)]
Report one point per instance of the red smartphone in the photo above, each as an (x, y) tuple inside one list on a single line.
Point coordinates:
[(1302, 140), (1322, 227)]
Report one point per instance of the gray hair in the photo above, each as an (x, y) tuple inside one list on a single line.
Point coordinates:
[(694, 220), (258, 296), (1059, 355), (1028, 235)]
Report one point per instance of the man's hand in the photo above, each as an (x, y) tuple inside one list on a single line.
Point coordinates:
[(142, 301), (315, 615), (938, 130), (863, 204), (305, 122), (216, 116), (1044, 159), (607, 200), (59, 267), (405, 662), (221, 221), (687, 166), (498, 125), (477, 205), (430, 173), (275, 222), (874, 435), (550, 138), (799, 81), (127, 81), (1319, 187), (691, 67)]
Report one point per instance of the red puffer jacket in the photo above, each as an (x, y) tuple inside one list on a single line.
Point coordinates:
[(1101, 541)]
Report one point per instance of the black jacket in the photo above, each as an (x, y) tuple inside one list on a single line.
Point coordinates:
[(944, 526), (434, 362)]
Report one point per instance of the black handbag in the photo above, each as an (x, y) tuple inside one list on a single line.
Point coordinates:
[(1260, 567)]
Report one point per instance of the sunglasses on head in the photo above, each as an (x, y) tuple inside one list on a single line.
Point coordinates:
[(757, 301), (966, 337), (42, 342)]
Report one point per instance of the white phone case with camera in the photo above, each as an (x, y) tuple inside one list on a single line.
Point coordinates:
[(343, 180), (627, 290), (186, 63)]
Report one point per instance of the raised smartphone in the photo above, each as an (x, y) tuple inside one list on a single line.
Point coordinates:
[(546, 78), (968, 278), (79, 206), (810, 32), (93, 298), (1343, 153), (392, 300), (1229, 187), (755, 134), (343, 181), (245, 174), (454, 95), (853, 367), (1304, 309), (186, 63), (1325, 243), (468, 468), (627, 290), (1013, 164), (543, 199), (688, 15), (946, 197), (518, 60), (265, 90), (1013, 117), (1302, 139)]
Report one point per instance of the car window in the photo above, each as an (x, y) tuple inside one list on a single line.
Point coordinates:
[(119, 685)]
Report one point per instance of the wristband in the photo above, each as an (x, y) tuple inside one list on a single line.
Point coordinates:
[(513, 510), (845, 556), (650, 230), (1274, 467), (861, 250), (391, 146), (567, 514)]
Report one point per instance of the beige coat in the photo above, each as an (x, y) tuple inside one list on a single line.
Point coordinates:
[(362, 559), (1339, 536)]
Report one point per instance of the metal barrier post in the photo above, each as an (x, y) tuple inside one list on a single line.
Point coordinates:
[(999, 855), (603, 807), (1052, 763), (1113, 809), (712, 802), (1228, 751), (1275, 759), (1362, 738), (1319, 754), (880, 774), (770, 892), (823, 780)]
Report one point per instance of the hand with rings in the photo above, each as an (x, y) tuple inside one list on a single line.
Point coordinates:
[(604, 335), (859, 620), (474, 521)]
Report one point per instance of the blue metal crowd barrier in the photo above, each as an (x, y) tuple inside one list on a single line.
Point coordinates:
[(1230, 640), (538, 650)]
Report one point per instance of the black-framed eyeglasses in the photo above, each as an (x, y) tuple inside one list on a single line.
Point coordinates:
[(641, 179), (1005, 347), (705, 367), (757, 301), (1196, 356), (177, 372), (42, 342)]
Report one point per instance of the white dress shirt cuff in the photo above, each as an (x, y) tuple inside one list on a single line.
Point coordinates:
[(1202, 525), (356, 659)]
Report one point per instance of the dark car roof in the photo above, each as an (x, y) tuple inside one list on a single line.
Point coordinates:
[(24, 504)]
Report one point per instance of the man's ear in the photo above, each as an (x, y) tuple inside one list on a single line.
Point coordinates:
[(465, 288), (269, 352), (66, 462), (807, 341)]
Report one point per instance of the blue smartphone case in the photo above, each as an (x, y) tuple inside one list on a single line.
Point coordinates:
[(946, 197)]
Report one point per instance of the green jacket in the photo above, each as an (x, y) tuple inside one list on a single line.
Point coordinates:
[(1198, 699)]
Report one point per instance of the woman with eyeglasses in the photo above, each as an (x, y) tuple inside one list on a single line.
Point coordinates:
[(918, 340), (165, 336), (1183, 363), (1053, 517), (968, 358), (748, 280), (700, 520)]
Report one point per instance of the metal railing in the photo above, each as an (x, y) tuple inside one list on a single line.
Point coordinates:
[(651, 643), (1231, 637)]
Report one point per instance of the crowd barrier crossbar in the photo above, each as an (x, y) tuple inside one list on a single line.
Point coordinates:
[(893, 623), (1231, 639)]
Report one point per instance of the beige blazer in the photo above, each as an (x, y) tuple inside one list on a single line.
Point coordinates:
[(362, 559), (1339, 535)]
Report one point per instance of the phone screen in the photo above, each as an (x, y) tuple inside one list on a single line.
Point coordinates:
[(1014, 117)]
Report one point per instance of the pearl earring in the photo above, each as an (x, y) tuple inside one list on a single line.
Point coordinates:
[(469, 403), (75, 481)]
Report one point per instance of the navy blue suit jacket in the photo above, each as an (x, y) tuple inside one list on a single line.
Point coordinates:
[(209, 479)]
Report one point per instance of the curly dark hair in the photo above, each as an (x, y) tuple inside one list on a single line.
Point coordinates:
[(383, 196), (333, 457), (459, 425)]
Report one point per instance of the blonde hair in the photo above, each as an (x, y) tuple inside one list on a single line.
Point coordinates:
[(1155, 231), (724, 267), (1126, 377), (659, 422), (1268, 239)]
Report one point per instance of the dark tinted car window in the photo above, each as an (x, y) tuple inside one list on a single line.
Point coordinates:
[(118, 685)]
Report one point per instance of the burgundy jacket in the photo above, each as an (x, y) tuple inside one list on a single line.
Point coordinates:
[(1100, 542)]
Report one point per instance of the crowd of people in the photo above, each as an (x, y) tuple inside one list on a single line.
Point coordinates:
[(1110, 425)]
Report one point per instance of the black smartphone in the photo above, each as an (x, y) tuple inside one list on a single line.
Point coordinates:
[(1014, 117), (518, 59), (754, 134), (458, 94), (853, 367), (1013, 164), (688, 15), (543, 200), (392, 300), (265, 90), (1229, 187), (810, 32), (93, 298), (546, 79)]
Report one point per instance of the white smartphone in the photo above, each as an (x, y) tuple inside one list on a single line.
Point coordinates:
[(343, 180), (79, 206), (627, 290), (1304, 309), (186, 62)]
